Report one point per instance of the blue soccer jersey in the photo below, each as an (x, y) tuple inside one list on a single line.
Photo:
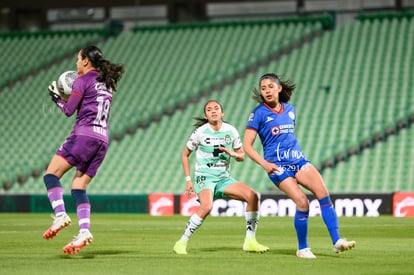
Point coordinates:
[(277, 133)]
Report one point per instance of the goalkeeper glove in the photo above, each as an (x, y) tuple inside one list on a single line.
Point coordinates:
[(54, 92)]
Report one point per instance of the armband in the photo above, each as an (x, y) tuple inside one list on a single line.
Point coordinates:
[(187, 178)]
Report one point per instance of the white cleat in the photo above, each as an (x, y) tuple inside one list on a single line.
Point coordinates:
[(342, 245), (59, 223), (305, 253), (84, 238)]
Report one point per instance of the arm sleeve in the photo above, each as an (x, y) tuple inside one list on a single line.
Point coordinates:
[(237, 143), (253, 121), (192, 142), (68, 108)]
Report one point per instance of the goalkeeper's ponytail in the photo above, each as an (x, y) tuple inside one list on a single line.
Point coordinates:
[(110, 73)]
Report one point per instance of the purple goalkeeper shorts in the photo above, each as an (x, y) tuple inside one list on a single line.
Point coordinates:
[(83, 152)]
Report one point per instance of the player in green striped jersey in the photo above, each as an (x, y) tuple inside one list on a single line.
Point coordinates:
[(215, 143)]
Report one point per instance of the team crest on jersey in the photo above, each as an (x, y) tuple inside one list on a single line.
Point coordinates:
[(193, 142), (292, 115), (275, 130), (227, 139), (251, 116)]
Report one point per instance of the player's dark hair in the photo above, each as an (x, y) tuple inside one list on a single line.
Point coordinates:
[(110, 73), (287, 88), (202, 120)]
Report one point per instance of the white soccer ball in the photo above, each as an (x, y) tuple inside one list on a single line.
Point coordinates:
[(65, 82)]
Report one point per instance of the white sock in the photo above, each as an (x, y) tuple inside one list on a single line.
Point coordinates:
[(252, 219), (192, 225)]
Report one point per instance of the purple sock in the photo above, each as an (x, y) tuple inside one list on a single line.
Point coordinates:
[(84, 215), (54, 193), (83, 208), (56, 199)]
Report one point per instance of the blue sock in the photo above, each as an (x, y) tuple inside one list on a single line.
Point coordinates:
[(51, 181), (79, 196), (301, 226), (330, 218)]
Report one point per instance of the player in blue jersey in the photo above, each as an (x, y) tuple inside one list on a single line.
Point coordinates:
[(87, 144), (215, 143), (274, 121)]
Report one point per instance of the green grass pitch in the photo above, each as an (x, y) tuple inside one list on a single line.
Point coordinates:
[(140, 244)]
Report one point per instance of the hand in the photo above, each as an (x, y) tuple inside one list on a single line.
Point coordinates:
[(237, 156), (228, 151), (54, 92), (189, 190), (270, 168)]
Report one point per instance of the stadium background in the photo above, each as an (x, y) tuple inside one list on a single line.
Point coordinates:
[(352, 62)]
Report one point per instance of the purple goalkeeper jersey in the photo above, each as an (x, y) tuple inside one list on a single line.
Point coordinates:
[(92, 100)]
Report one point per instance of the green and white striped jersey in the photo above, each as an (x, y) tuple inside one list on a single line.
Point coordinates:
[(206, 142)]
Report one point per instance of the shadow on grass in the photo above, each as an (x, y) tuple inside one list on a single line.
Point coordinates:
[(93, 254), (286, 252), (292, 252), (217, 249)]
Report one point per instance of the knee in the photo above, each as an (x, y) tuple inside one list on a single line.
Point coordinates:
[(252, 197), (205, 209), (302, 203), (252, 200)]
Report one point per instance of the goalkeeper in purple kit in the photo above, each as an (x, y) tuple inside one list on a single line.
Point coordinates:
[(87, 144)]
